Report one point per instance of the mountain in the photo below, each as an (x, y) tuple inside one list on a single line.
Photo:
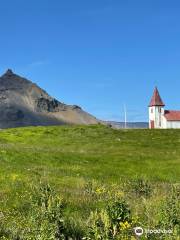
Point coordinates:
[(23, 103), (130, 125)]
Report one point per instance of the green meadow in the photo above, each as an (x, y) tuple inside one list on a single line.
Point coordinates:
[(88, 182)]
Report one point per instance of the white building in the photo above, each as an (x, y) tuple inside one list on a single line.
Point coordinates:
[(160, 118)]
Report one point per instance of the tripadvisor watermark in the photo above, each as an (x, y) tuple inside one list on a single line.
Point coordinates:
[(140, 231)]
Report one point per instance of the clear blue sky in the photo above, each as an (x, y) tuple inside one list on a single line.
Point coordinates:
[(98, 54)]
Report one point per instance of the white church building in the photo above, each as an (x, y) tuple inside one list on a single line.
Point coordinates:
[(160, 118)]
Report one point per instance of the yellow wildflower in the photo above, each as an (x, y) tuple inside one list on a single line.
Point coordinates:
[(14, 176)]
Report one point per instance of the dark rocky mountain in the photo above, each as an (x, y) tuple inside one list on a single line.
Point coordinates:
[(23, 103)]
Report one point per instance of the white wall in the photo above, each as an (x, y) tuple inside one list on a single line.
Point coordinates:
[(164, 122), (173, 124), (151, 116), (156, 116)]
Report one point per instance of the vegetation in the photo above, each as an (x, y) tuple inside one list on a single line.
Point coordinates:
[(88, 182)]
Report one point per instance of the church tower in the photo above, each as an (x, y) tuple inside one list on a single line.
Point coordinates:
[(156, 110)]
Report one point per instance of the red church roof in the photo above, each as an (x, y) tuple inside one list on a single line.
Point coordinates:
[(172, 115), (156, 99)]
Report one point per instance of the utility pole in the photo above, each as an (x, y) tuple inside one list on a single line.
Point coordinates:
[(125, 117)]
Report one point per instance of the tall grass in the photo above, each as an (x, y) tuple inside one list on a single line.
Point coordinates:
[(59, 182)]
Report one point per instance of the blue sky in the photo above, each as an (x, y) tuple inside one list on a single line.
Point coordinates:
[(99, 54)]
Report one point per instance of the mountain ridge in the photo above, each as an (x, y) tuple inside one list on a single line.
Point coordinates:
[(24, 103), (129, 125)]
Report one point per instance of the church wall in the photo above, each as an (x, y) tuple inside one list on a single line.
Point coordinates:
[(156, 114), (151, 115), (173, 124)]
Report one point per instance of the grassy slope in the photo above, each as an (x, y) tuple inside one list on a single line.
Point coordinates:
[(72, 153), (69, 157)]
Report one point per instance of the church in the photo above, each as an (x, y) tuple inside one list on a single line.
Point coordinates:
[(159, 117)]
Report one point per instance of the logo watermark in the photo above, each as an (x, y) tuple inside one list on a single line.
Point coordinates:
[(139, 231)]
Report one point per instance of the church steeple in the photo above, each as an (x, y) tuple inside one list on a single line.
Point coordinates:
[(156, 99), (156, 110)]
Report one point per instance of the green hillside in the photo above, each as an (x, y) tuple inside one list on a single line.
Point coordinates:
[(86, 167)]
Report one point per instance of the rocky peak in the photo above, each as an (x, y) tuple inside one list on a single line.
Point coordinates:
[(9, 73), (23, 103), (11, 80)]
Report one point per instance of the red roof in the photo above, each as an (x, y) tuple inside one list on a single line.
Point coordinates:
[(172, 115), (156, 99)]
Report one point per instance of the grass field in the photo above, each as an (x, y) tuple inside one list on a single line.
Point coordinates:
[(87, 167)]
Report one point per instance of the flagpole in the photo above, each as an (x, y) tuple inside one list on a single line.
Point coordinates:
[(125, 117)]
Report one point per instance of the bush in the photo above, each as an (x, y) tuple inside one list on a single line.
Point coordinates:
[(170, 212), (113, 222)]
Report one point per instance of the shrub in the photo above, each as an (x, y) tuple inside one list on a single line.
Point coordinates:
[(170, 212), (50, 219), (113, 222)]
